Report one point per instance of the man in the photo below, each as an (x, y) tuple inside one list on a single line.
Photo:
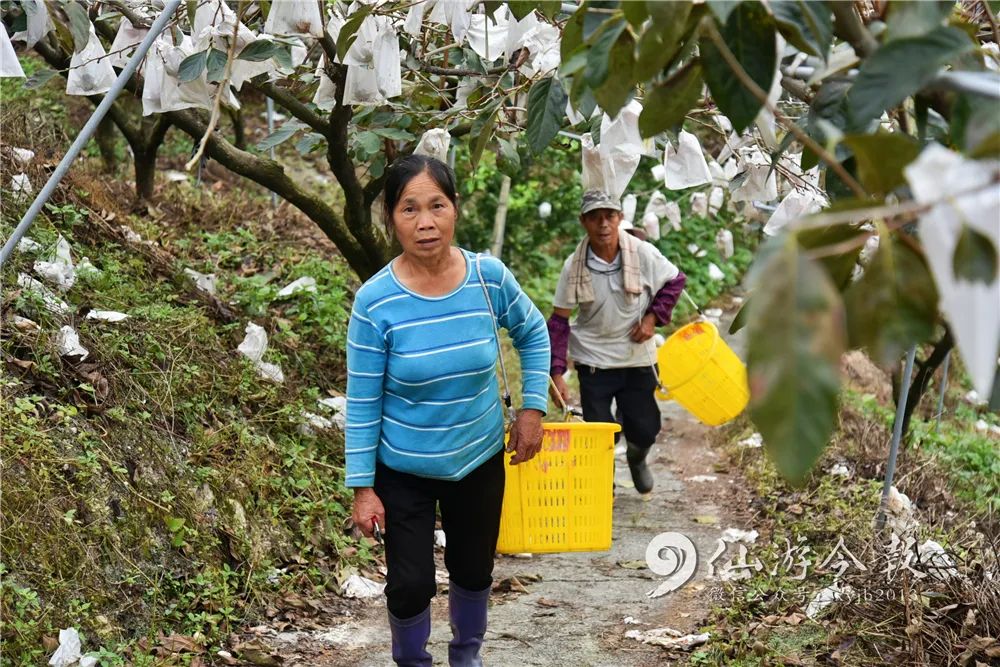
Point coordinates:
[(621, 288)]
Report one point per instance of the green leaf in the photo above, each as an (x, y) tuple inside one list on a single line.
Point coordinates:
[(595, 129), (795, 339), (215, 65), (572, 36), (740, 320), (192, 66), (576, 62), (722, 8), (508, 159), (39, 78), (369, 142), (260, 50), (660, 40), (174, 523), (913, 19), (749, 34), (482, 132), (377, 167), (975, 257), (393, 133), (899, 69), (349, 32), (975, 125), (521, 8), (618, 86), (550, 8), (635, 13), (893, 305), (806, 25), (310, 142), (281, 135), (667, 104), (599, 55), (839, 267), (283, 57), (592, 21), (880, 159), (79, 25), (546, 109)]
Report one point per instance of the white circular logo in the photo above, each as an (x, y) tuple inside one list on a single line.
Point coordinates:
[(671, 555)]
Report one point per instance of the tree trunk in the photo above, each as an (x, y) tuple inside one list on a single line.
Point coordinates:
[(921, 380), (145, 170), (239, 128), (500, 219), (152, 133), (105, 140)]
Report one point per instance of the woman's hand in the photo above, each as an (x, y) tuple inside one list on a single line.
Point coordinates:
[(525, 436), (644, 329), (560, 391), (366, 506)]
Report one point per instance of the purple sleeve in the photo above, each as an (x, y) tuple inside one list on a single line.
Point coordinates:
[(663, 303), (558, 340)]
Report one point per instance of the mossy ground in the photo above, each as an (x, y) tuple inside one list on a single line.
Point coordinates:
[(947, 470), (161, 485)]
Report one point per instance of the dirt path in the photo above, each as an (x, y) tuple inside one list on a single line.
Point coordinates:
[(574, 609)]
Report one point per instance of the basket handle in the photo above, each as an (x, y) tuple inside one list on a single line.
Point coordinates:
[(569, 414)]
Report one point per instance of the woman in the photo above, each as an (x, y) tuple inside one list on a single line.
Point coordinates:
[(424, 420)]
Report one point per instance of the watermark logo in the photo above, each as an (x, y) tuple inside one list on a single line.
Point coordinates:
[(671, 555)]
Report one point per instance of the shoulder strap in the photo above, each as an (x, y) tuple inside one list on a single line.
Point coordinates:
[(496, 332)]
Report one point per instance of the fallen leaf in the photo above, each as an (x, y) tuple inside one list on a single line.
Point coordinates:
[(176, 643), (632, 564), (545, 602)]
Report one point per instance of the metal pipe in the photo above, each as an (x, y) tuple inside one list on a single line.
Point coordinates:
[(944, 388), (270, 131), (897, 435), (170, 6)]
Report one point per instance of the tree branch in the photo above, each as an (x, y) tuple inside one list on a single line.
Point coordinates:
[(798, 89), (133, 18), (294, 106), (60, 62), (451, 71), (852, 29), (271, 175), (761, 95), (356, 211)]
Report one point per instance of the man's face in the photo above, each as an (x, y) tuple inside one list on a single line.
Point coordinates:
[(602, 227)]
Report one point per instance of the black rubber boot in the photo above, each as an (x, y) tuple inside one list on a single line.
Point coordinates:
[(641, 476)]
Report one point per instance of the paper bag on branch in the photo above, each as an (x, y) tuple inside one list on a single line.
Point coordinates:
[(126, 39), (90, 70), (39, 23), (294, 17), (9, 64), (610, 165), (434, 143), (686, 167)]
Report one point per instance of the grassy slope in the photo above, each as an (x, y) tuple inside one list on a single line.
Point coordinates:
[(157, 485), (951, 476)]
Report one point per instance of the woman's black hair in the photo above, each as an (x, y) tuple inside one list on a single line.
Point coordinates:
[(404, 170)]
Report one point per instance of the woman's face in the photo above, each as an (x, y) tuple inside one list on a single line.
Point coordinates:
[(424, 218)]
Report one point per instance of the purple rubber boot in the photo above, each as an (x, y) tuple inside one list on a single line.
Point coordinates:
[(467, 610), (409, 639)]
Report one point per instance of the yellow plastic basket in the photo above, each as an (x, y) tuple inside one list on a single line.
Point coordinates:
[(561, 499), (703, 374)]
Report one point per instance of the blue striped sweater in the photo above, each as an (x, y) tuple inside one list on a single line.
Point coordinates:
[(422, 393)]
